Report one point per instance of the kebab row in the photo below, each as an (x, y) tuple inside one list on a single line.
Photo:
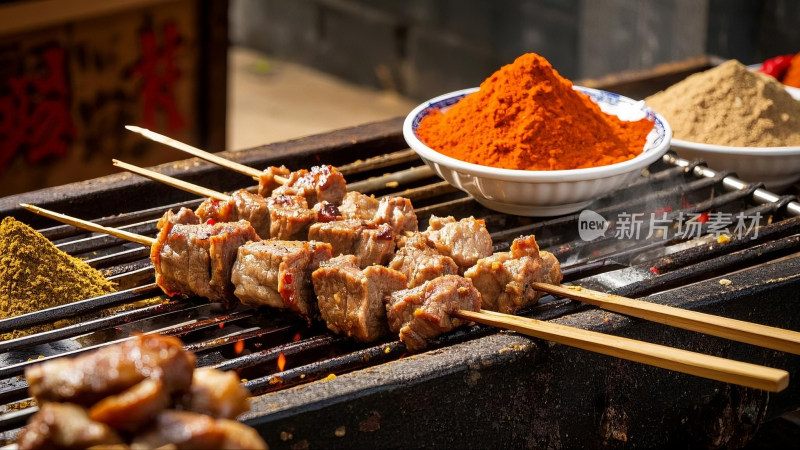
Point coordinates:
[(507, 280)]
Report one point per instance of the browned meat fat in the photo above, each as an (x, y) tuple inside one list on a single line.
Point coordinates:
[(423, 312), (112, 370), (371, 244), (197, 259), (64, 426), (290, 217), (419, 261), (267, 182), (217, 393), (278, 274), (351, 300), (321, 183), (133, 407), (504, 278), (466, 240)]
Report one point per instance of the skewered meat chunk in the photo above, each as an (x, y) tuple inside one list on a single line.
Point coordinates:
[(327, 212), (398, 213), (423, 312), (197, 259), (321, 183), (278, 274), (371, 244), (466, 240), (243, 205), (289, 217), (356, 205), (217, 393), (504, 279), (89, 378), (184, 216), (419, 261), (188, 430), (64, 426), (351, 300), (267, 182)]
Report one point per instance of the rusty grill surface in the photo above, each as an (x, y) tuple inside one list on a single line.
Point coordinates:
[(376, 401)]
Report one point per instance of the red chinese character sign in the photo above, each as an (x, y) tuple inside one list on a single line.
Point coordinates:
[(159, 74), (34, 112), (68, 90)]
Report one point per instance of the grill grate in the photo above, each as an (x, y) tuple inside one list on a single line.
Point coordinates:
[(250, 341)]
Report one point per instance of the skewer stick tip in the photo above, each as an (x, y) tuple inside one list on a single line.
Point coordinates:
[(134, 128)]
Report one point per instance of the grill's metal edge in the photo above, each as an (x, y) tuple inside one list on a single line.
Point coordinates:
[(283, 417)]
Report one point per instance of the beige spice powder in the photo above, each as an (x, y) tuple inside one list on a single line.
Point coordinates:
[(730, 105)]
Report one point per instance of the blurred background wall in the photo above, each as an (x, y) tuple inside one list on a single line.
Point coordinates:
[(423, 48), (232, 74)]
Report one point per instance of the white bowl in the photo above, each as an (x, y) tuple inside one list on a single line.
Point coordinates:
[(777, 167), (541, 192)]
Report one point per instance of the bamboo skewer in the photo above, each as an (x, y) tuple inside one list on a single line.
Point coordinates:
[(371, 184), (693, 363), (210, 157), (736, 330), (91, 226), (174, 182)]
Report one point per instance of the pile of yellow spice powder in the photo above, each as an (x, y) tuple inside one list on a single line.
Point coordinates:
[(35, 275)]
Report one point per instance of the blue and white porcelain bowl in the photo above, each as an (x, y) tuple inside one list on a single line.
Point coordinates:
[(541, 192)]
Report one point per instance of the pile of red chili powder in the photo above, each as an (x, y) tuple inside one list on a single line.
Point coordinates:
[(527, 116)]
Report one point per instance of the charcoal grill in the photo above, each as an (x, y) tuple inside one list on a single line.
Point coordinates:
[(476, 387)]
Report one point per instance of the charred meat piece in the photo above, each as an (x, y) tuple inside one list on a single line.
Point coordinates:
[(64, 426), (327, 212), (267, 182), (419, 261), (252, 208), (351, 300), (398, 213), (188, 430), (321, 183), (356, 205), (181, 429), (278, 274), (466, 240), (184, 217), (243, 205), (197, 259), (289, 217), (217, 393), (213, 210), (371, 244), (504, 279), (111, 370), (133, 407), (423, 312), (239, 436)]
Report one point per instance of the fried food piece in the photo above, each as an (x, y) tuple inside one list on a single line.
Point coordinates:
[(64, 426), (217, 393), (111, 370)]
